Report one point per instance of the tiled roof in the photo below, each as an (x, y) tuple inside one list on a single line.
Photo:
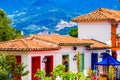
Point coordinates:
[(61, 40), (47, 42), (97, 44), (68, 40), (101, 14), (25, 45)]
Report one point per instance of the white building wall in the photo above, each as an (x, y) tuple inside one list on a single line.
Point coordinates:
[(95, 30), (25, 61), (87, 57), (57, 55), (118, 29), (68, 50), (118, 55)]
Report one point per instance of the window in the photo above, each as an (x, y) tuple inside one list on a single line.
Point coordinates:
[(65, 62)]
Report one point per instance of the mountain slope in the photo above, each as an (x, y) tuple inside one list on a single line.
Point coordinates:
[(51, 15)]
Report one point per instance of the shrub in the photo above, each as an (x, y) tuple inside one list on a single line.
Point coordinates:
[(40, 74), (58, 70), (10, 69), (69, 76)]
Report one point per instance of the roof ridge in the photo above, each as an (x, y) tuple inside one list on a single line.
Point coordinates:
[(24, 43), (101, 11), (101, 14), (39, 38)]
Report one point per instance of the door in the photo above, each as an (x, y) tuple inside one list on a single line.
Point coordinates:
[(19, 60), (94, 59), (49, 65), (35, 65)]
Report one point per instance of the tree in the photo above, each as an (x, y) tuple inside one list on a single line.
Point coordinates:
[(10, 68), (73, 32), (6, 31)]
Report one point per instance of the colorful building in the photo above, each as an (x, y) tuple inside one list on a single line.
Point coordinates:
[(102, 25), (48, 50)]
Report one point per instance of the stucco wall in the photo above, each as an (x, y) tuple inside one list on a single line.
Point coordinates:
[(87, 58), (118, 29), (118, 55), (95, 30), (57, 55)]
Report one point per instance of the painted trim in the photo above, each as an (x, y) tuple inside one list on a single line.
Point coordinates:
[(82, 61)]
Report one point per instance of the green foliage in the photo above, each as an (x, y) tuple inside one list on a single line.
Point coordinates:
[(40, 74), (73, 32), (69, 76), (47, 78), (9, 68), (6, 31), (79, 74), (58, 70), (83, 78)]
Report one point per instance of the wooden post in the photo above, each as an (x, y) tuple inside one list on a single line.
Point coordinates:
[(78, 62), (113, 34), (113, 38)]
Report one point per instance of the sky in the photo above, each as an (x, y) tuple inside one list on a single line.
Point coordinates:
[(34, 16)]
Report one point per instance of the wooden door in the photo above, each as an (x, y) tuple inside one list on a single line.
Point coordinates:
[(35, 65), (49, 65), (19, 60)]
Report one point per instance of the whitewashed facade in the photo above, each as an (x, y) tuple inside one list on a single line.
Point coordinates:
[(100, 31)]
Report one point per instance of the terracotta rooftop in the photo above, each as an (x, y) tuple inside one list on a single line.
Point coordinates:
[(47, 42), (97, 44), (61, 40), (68, 40), (25, 45), (100, 14)]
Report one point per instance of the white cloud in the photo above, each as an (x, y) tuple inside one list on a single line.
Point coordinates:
[(52, 10), (44, 28), (62, 24), (21, 13), (11, 16), (33, 27)]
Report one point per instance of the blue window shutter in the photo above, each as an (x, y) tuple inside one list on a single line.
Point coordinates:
[(94, 59), (104, 55)]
